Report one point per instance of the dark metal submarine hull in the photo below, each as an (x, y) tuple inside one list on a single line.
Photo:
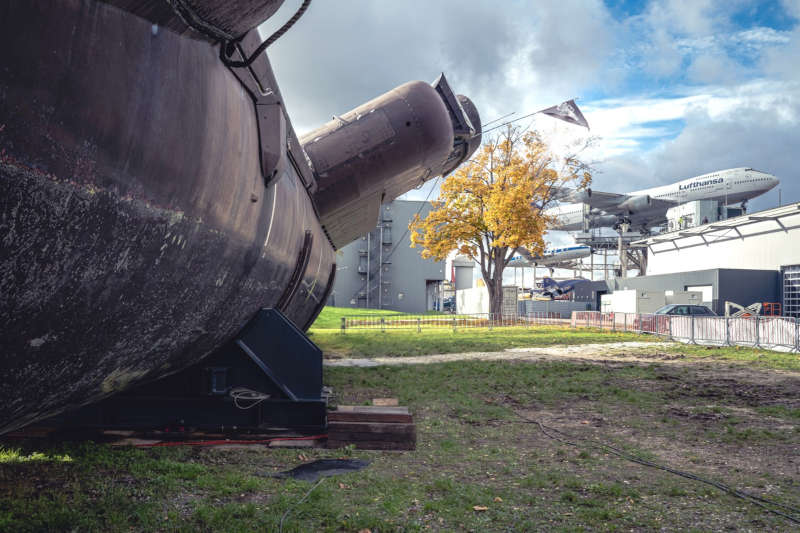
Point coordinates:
[(153, 200), (136, 233)]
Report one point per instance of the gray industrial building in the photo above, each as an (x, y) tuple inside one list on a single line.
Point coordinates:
[(380, 270), (718, 285), (747, 259), (753, 258)]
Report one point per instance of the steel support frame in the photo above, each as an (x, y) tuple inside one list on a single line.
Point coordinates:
[(202, 396)]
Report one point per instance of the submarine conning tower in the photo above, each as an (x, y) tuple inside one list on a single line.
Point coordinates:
[(384, 148)]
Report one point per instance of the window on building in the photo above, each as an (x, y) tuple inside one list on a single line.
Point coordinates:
[(706, 290), (791, 290)]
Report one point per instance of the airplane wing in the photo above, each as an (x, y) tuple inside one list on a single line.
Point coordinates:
[(570, 284), (611, 202)]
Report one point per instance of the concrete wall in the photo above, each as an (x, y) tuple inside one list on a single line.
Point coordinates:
[(646, 300), (563, 307), (476, 300), (472, 301), (398, 276)]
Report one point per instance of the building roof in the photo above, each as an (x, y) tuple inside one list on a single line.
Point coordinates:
[(783, 218)]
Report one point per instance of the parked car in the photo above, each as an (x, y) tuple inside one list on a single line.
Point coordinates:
[(683, 309), (449, 304)]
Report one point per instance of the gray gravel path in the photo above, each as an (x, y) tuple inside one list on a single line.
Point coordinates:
[(631, 351)]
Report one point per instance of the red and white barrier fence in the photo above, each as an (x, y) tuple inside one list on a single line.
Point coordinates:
[(768, 332), (455, 322)]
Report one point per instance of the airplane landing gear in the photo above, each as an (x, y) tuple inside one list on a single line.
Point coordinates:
[(622, 222)]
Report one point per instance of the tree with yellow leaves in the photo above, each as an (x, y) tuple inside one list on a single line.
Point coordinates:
[(494, 204)]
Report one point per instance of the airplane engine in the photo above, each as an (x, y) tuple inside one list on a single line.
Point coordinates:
[(600, 221), (637, 204)]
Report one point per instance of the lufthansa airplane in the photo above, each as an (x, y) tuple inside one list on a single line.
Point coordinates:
[(648, 207)]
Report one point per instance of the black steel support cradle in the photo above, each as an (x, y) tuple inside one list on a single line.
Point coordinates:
[(269, 377)]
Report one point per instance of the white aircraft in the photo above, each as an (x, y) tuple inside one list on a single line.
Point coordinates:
[(648, 207), (549, 257)]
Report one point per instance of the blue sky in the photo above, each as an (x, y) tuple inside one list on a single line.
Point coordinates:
[(672, 88)]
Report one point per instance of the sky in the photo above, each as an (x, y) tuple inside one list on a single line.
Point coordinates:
[(672, 89)]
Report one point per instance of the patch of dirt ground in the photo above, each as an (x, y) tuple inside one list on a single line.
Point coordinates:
[(724, 421)]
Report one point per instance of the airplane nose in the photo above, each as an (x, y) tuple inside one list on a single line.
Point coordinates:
[(773, 181)]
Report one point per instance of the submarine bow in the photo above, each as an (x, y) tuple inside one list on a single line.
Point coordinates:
[(154, 195)]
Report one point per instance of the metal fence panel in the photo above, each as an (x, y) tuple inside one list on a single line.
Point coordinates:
[(774, 333), (681, 327), (742, 331), (463, 321), (710, 330), (777, 332), (618, 321)]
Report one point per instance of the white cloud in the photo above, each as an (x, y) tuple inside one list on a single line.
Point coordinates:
[(684, 17), (713, 68), (505, 58), (515, 57), (625, 126), (729, 129), (792, 7)]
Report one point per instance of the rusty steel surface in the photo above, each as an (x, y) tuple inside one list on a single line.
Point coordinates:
[(395, 140), (137, 234), (153, 200), (380, 150), (211, 19)]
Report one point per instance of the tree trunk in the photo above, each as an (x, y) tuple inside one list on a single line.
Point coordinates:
[(495, 287)]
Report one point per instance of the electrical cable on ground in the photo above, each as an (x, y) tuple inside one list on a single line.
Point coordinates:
[(280, 526), (752, 498)]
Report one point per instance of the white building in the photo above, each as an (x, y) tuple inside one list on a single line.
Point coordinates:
[(765, 241)]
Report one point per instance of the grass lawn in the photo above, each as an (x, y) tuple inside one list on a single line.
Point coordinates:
[(725, 414), (740, 354), (326, 334), (732, 423), (331, 317)]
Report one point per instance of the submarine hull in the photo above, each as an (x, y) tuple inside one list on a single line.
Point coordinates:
[(154, 196), (136, 231)]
